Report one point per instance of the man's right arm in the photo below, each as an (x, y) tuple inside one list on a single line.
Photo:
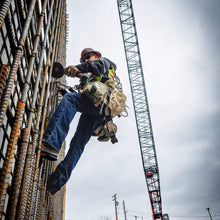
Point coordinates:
[(96, 68)]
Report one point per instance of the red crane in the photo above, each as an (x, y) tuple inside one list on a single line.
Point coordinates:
[(140, 102)]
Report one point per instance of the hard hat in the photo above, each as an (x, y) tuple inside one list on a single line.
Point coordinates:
[(87, 51)]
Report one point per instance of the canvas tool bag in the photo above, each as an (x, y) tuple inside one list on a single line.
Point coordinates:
[(117, 102), (97, 92)]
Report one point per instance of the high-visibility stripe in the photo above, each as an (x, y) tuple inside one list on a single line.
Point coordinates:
[(111, 73)]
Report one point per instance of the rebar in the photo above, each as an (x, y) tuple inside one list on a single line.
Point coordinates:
[(45, 207), (31, 151), (43, 93), (19, 173), (19, 116), (32, 97), (4, 70), (36, 192), (48, 89), (31, 162), (13, 43), (8, 165), (3, 11), (16, 61), (39, 68), (39, 204)]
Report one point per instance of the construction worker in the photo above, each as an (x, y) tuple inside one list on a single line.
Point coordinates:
[(102, 70)]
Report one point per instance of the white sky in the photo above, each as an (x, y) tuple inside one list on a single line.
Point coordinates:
[(179, 44)]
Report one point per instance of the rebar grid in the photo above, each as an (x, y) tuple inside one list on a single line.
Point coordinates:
[(9, 161), (30, 83), (16, 61), (19, 117), (25, 196)]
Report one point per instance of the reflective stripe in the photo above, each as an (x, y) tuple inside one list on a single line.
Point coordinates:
[(97, 78), (110, 74)]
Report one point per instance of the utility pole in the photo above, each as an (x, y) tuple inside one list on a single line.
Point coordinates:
[(116, 203), (124, 210), (209, 213)]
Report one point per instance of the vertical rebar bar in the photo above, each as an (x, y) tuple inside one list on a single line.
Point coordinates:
[(11, 214), (36, 194), (44, 208), (4, 10), (29, 190), (4, 70)]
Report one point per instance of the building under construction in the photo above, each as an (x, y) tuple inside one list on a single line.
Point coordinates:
[(32, 37)]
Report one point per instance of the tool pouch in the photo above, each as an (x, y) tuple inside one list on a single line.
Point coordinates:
[(117, 102), (96, 92), (106, 131)]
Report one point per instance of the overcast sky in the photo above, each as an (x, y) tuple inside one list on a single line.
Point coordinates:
[(179, 43)]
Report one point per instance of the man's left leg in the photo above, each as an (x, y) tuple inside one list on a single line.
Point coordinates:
[(85, 128)]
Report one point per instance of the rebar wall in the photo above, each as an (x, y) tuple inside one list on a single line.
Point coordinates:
[(141, 107), (32, 37)]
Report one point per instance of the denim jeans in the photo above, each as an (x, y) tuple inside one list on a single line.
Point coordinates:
[(58, 128)]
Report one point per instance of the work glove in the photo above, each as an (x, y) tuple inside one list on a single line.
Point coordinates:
[(71, 71)]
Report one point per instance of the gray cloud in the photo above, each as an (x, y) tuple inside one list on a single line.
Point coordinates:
[(180, 53)]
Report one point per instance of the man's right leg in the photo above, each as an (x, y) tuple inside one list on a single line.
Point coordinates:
[(58, 126)]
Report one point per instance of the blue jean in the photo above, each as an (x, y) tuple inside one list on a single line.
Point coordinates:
[(58, 128)]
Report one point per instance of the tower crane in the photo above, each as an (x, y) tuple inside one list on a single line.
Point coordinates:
[(140, 103)]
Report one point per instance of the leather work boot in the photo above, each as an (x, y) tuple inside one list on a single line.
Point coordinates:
[(48, 152)]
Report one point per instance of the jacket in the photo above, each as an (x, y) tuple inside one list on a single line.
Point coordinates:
[(102, 69)]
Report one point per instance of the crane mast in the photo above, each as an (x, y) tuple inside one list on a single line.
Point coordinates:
[(140, 102)]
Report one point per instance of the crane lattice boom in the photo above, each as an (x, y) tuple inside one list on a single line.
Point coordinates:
[(140, 103)]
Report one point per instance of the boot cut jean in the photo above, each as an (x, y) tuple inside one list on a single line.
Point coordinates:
[(58, 128)]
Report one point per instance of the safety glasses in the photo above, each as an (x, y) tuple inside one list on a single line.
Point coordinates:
[(87, 57)]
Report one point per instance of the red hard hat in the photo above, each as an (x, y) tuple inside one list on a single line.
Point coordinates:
[(87, 51)]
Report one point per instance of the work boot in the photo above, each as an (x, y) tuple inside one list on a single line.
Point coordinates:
[(50, 188), (48, 152)]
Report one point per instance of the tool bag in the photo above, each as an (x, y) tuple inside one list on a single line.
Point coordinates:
[(114, 102), (96, 92), (102, 131), (117, 102)]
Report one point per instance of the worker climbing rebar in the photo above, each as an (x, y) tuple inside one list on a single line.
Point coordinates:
[(91, 102)]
